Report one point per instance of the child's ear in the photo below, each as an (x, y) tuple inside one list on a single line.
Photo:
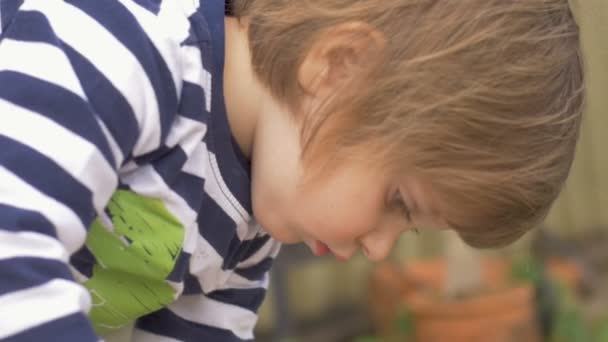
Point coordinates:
[(337, 55)]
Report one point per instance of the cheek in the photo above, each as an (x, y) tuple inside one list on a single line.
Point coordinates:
[(344, 207), (343, 221)]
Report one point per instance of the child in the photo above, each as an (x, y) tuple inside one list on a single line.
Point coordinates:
[(143, 141)]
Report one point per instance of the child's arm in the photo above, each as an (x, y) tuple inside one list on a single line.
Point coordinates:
[(78, 97)]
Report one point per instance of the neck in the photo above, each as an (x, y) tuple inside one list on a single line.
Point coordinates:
[(242, 91)]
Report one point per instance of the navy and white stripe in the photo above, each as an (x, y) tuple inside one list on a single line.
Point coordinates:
[(101, 95), (7, 11)]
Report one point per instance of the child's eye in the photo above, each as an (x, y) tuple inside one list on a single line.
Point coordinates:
[(400, 204)]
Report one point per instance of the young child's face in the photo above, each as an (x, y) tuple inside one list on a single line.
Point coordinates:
[(356, 208), (353, 206)]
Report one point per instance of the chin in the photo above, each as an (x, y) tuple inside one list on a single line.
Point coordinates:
[(272, 224), (282, 235), (277, 230)]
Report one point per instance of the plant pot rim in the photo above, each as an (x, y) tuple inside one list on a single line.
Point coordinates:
[(492, 302)]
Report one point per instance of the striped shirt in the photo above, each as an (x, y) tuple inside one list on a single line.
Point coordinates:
[(122, 195)]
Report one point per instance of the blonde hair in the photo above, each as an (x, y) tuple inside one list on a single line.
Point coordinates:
[(481, 97)]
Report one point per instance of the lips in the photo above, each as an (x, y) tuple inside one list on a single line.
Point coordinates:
[(320, 249)]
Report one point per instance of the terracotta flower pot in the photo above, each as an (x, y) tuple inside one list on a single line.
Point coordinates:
[(386, 290), (501, 313), (499, 316)]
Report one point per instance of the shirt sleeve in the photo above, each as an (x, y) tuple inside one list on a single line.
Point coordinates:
[(226, 314), (83, 88)]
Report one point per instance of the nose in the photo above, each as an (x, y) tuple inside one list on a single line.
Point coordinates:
[(376, 255), (378, 246)]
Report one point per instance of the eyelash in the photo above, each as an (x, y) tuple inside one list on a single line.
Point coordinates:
[(400, 204)]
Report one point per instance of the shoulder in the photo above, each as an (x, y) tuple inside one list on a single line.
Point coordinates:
[(144, 29), (125, 57)]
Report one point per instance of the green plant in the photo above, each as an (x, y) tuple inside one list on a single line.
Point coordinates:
[(601, 331), (526, 270), (404, 322)]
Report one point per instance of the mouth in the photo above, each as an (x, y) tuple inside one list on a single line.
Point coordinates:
[(321, 249)]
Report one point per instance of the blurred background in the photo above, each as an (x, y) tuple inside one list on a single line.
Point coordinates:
[(550, 286)]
